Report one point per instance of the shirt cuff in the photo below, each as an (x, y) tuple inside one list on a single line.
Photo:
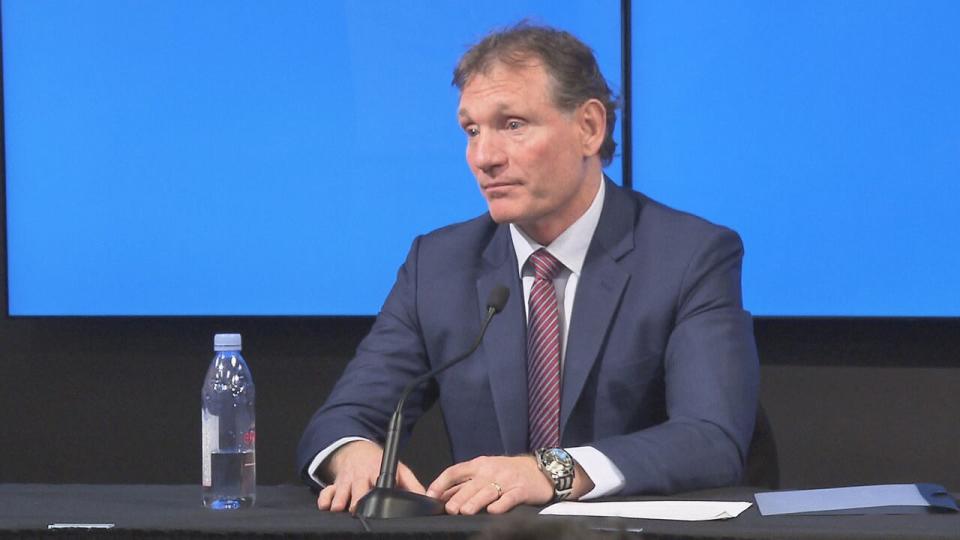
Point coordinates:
[(325, 453), (607, 478)]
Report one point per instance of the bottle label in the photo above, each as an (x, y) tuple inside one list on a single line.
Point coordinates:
[(210, 443)]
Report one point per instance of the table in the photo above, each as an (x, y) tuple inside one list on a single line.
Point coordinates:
[(161, 511)]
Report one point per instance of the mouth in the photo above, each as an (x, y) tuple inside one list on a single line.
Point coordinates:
[(498, 187)]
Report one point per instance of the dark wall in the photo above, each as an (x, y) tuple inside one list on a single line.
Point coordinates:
[(859, 401), (117, 400)]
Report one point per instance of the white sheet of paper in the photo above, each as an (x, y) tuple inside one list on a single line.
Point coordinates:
[(673, 510)]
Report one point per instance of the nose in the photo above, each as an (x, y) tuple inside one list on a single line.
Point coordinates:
[(486, 153)]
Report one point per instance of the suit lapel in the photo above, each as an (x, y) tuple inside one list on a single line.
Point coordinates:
[(599, 291), (504, 345)]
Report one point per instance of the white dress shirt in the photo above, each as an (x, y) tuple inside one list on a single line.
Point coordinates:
[(570, 248)]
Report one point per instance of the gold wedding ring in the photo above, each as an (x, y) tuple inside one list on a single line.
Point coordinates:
[(497, 487)]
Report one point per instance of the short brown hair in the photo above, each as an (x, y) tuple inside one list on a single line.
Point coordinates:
[(570, 64)]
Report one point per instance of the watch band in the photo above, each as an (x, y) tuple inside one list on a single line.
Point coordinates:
[(557, 465)]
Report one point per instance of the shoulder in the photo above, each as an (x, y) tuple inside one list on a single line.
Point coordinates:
[(649, 238), (477, 229), (679, 261), (457, 245), (465, 236), (664, 227), (657, 214)]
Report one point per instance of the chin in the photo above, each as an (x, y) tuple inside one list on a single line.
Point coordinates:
[(501, 211), (504, 214), (500, 218)]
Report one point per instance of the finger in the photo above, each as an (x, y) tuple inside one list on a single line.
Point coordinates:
[(506, 502), (326, 497), (453, 475), (450, 493), (357, 491), (407, 480), (341, 497), (481, 499), (468, 490)]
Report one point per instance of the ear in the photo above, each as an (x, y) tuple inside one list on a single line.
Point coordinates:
[(593, 126)]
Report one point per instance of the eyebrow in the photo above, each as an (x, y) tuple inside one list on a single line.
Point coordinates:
[(501, 109)]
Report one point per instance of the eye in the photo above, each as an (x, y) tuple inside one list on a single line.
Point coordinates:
[(514, 124), (471, 131)]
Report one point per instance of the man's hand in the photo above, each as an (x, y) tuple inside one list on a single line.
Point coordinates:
[(354, 468), (469, 487)]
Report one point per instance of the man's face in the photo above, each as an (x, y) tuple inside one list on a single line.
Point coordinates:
[(528, 155)]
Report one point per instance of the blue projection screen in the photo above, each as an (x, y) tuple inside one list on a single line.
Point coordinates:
[(826, 133), (174, 157), (277, 158)]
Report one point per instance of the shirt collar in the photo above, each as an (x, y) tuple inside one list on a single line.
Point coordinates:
[(570, 248)]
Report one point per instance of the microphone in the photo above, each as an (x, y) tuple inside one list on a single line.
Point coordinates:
[(385, 500)]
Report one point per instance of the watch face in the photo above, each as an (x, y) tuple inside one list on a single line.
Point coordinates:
[(556, 460)]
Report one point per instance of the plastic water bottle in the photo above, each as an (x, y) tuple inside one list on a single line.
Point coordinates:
[(229, 431)]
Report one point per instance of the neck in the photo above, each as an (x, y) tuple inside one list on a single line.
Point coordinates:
[(545, 231)]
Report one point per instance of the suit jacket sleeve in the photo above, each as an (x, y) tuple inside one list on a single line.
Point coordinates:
[(710, 379), (387, 359)]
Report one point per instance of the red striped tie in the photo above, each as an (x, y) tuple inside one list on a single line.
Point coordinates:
[(543, 353)]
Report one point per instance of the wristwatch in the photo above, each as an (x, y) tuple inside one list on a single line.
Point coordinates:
[(557, 465)]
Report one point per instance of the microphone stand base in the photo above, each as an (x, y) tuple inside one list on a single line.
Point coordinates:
[(385, 503)]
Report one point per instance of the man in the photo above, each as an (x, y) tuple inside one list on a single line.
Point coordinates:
[(623, 362)]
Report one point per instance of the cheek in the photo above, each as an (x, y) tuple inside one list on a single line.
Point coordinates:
[(551, 152), (536, 159), (547, 162), (558, 177)]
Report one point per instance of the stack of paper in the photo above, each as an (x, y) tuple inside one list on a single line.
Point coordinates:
[(674, 510)]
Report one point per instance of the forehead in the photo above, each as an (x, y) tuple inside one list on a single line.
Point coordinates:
[(504, 86)]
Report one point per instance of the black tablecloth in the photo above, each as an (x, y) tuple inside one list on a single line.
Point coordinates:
[(289, 511)]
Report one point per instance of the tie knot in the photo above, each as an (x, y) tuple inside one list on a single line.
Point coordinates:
[(545, 265)]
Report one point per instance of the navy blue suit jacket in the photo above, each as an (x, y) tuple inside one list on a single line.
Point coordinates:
[(660, 372)]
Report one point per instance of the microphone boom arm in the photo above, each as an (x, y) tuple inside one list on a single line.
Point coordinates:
[(385, 500), (388, 465)]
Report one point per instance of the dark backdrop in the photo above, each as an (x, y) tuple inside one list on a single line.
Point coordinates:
[(117, 400)]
